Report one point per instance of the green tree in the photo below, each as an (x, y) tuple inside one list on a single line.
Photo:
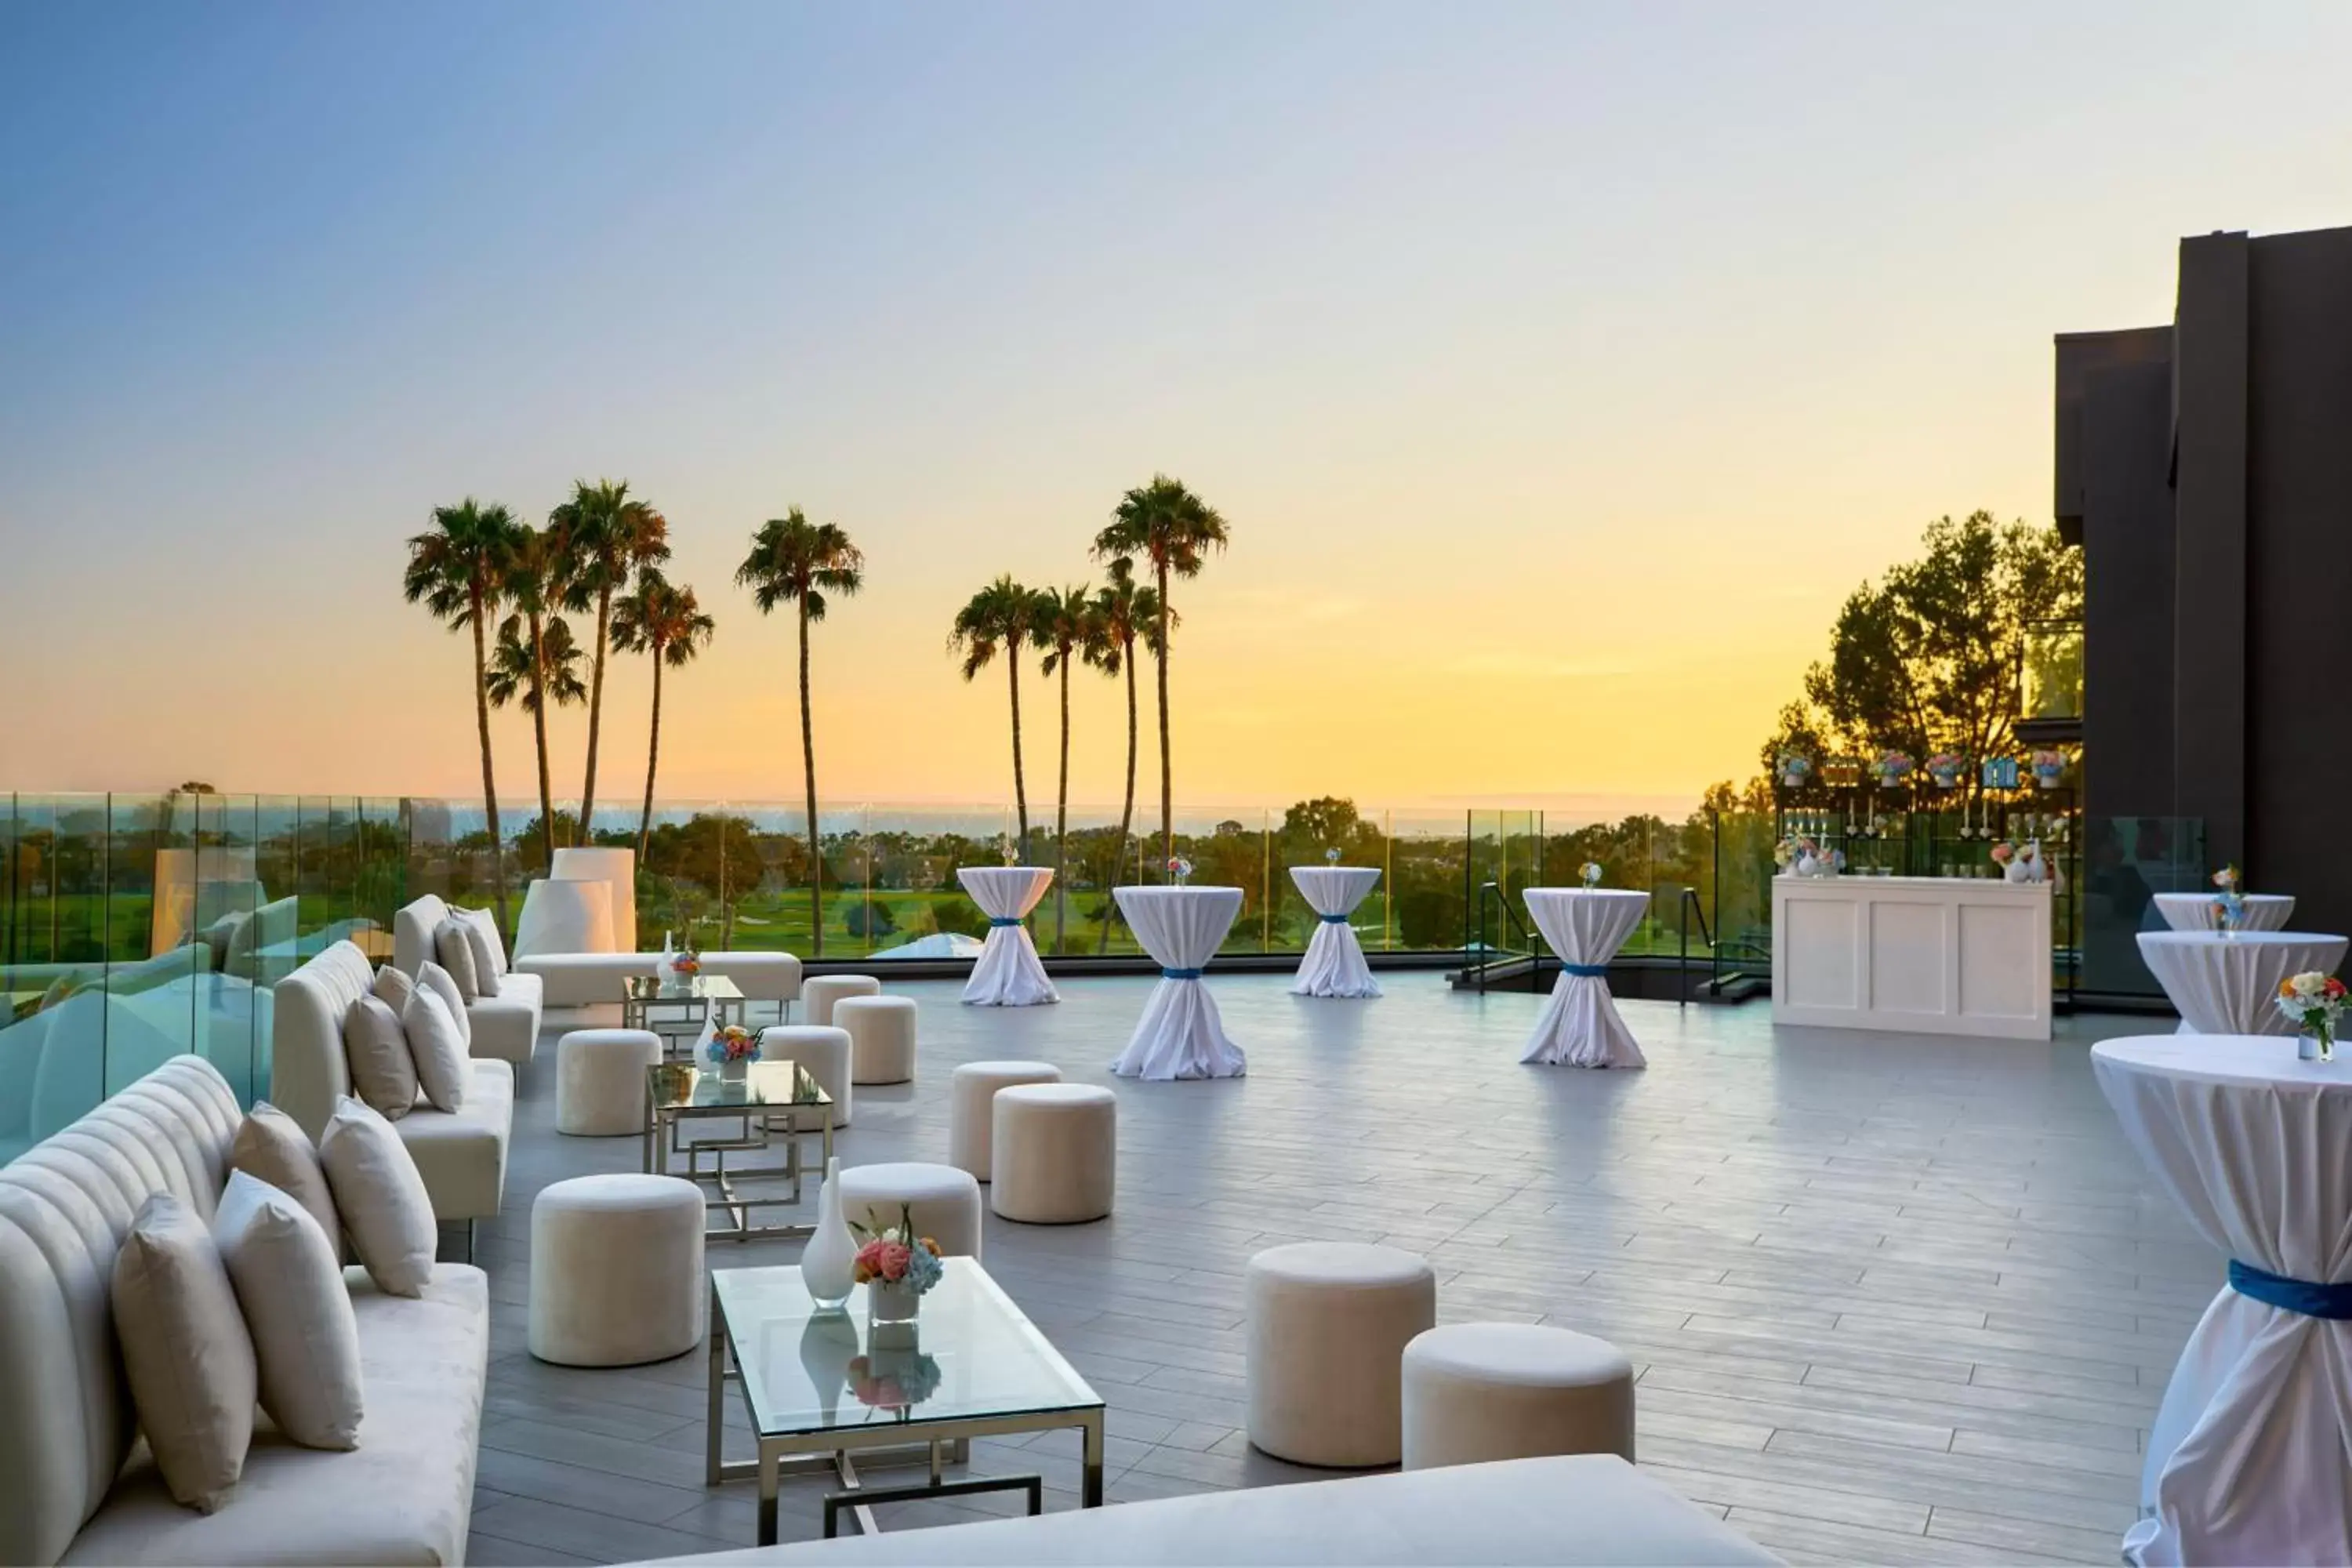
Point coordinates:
[(1930, 658), (1124, 613), (458, 570), (797, 561), (999, 618), (1065, 624), (1172, 527), (608, 537), (665, 623), (538, 571)]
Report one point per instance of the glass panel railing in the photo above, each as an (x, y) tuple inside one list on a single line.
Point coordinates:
[(2125, 862)]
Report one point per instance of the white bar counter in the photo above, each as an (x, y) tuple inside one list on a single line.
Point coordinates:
[(1939, 955)]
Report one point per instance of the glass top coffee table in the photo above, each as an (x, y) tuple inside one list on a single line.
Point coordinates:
[(773, 1102), (819, 1387), (675, 1009)]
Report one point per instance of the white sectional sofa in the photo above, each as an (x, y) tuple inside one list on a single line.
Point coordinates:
[(461, 1154), (75, 1489), (587, 979), (505, 1026), (1588, 1509)]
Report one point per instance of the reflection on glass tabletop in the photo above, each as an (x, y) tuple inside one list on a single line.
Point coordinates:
[(678, 1086), (967, 1354), (699, 988)]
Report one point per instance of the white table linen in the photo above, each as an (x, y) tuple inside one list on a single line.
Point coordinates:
[(2194, 912), (1334, 964), (2229, 984), (1180, 1034), (1581, 1026), (1008, 973), (2246, 1457)]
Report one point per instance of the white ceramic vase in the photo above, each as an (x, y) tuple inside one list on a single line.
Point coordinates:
[(828, 1262)]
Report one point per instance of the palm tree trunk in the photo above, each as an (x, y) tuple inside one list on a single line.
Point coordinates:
[(538, 732), (1020, 791), (596, 716), (1126, 812), (808, 768), (652, 758), (1167, 775), (1062, 817), (489, 781)]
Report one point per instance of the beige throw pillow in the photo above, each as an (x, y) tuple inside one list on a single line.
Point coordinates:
[(454, 950), (432, 974), (271, 1147), (185, 1352), (306, 1339), (376, 1048), (486, 974), (394, 987), (386, 1208), (492, 945), (437, 1050)]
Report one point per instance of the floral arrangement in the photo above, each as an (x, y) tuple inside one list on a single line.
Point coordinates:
[(2229, 880), (1784, 854), (1795, 768), (1005, 851), (1588, 873), (2003, 852), (1892, 766), (733, 1044), (2230, 902), (1331, 856), (2314, 1002), (1179, 871), (895, 1255), (901, 1384), (1945, 767), (2048, 767), (685, 965)]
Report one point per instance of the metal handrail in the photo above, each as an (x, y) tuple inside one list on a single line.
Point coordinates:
[(1493, 892), (1691, 906)]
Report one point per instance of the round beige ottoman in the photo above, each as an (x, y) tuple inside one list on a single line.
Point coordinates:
[(946, 1202), (819, 994), (616, 1271), (820, 1048), (600, 1081), (971, 1095), (1475, 1392), (1057, 1153), (1328, 1321), (881, 1038)]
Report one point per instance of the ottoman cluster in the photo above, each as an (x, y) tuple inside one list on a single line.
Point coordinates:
[(1347, 1369), (1048, 1149)]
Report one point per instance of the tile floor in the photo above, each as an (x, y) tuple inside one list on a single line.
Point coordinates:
[(1895, 1298)]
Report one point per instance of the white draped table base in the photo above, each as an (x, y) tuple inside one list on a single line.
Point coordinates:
[(2246, 1458), (1180, 1033), (1581, 1025), (2228, 984), (1334, 964), (1008, 973), (2194, 912)]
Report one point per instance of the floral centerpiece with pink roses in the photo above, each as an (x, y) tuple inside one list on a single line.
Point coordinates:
[(898, 1267)]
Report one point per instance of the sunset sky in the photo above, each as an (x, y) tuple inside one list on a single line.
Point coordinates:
[(1559, 368)]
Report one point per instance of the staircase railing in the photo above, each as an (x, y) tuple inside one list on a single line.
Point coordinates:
[(1490, 898)]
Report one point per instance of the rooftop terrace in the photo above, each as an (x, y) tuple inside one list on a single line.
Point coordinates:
[(1897, 1298)]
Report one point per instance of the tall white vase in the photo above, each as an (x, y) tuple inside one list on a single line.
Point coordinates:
[(828, 1261)]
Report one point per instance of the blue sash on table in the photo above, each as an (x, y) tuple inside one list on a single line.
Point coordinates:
[(1593, 969), (1180, 974), (2300, 1296)]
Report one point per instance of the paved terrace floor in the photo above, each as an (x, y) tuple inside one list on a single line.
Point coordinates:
[(1894, 1299)]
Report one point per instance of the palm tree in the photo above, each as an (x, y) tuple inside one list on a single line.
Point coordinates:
[(798, 561), (538, 578), (1123, 613), (1063, 624), (553, 677), (1172, 527), (457, 569), (607, 537), (998, 618), (668, 624)]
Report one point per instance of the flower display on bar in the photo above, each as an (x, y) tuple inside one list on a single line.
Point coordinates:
[(1945, 768), (2314, 1002), (2049, 767), (1794, 768), (1893, 766)]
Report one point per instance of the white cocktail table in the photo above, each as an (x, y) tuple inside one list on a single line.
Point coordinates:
[(2227, 985), (1008, 972), (2245, 1459), (2194, 912), (1180, 1034), (1334, 964), (1586, 926)]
